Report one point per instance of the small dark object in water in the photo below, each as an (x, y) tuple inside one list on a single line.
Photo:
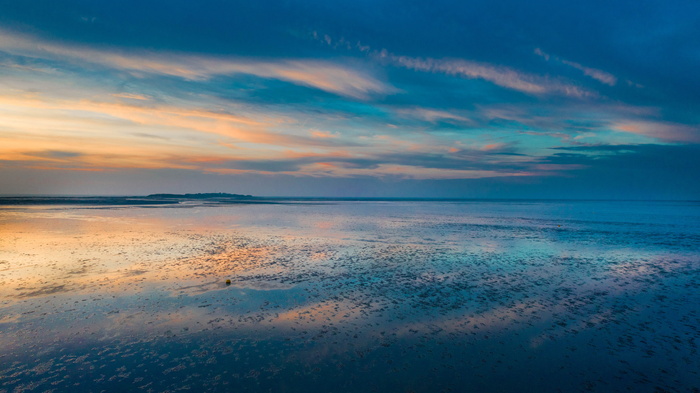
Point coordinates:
[(228, 282)]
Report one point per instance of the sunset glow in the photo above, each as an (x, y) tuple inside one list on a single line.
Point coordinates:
[(319, 107)]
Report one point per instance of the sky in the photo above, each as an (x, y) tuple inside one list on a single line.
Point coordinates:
[(439, 99)]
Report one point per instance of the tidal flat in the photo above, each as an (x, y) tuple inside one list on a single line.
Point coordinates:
[(351, 296)]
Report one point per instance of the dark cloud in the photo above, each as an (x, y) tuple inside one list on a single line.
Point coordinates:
[(56, 154), (652, 172), (604, 148), (464, 159)]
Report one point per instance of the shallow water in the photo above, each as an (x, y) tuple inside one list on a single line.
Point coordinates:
[(352, 297)]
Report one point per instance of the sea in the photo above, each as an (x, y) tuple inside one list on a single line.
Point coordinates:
[(323, 295)]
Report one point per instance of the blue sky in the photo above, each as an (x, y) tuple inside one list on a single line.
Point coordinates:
[(369, 98)]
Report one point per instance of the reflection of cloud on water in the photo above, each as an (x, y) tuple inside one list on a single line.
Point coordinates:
[(41, 291), (500, 317), (320, 314), (636, 269), (568, 327), (104, 258), (10, 318), (156, 323), (480, 294), (263, 285)]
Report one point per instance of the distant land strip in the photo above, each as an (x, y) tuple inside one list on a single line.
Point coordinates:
[(220, 198), (153, 199)]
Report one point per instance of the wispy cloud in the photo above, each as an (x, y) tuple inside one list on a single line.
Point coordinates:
[(665, 131), (322, 134), (86, 135), (589, 121), (131, 96), (599, 75), (323, 169), (501, 76), (328, 76), (432, 115), (55, 117), (78, 124)]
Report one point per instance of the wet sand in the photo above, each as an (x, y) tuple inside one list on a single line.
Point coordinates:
[(351, 297)]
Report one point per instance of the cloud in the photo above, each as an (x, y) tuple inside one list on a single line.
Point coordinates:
[(600, 148), (498, 75), (432, 115), (494, 147), (80, 118), (596, 122), (323, 75), (599, 75), (322, 169), (322, 134), (665, 131), (628, 172), (432, 162), (136, 125), (559, 167), (56, 154), (539, 52), (131, 96)]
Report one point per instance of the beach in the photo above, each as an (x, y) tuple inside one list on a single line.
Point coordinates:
[(351, 296)]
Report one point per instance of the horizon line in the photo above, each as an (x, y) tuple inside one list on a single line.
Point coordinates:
[(355, 198)]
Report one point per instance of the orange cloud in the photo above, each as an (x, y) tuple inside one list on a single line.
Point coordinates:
[(322, 75), (661, 130), (493, 146), (322, 134), (132, 96)]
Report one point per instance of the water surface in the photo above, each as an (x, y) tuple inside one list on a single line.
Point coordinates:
[(351, 296)]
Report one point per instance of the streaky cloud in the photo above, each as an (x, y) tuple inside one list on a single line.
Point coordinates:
[(599, 75), (324, 75), (331, 169), (499, 75), (432, 115), (665, 131), (131, 96)]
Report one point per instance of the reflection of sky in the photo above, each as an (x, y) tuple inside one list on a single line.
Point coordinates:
[(361, 284)]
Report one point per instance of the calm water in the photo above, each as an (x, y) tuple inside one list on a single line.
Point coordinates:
[(352, 297)]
